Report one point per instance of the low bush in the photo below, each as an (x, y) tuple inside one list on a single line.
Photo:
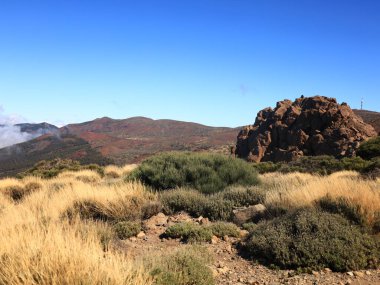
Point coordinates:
[(221, 229), (215, 207), (127, 229), (51, 168), (241, 196), (322, 165), (370, 149), (208, 173), (314, 240), (187, 266), (189, 232)]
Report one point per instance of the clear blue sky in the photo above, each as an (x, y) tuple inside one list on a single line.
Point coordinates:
[(215, 62)]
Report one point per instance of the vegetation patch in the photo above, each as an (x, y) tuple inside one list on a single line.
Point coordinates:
[(314, 240), (127, 229), (207, 173), (51, 168), (216, 207), (370, 149), (189, 232), (221, 229), (187, 266)]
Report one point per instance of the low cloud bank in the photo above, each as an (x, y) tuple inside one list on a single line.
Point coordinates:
[(10, 135)]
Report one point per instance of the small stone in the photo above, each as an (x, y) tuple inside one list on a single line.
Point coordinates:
[(350, 273), (204, 221), (359, 274), (327, 270), (368, 272), (199, 219), (226, 238), (315, 273), (140, 235), (214, 240)]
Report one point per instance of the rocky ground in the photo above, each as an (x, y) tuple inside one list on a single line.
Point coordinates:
[(228, 266)]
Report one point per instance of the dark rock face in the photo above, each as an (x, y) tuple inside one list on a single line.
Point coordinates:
[(308, 126)]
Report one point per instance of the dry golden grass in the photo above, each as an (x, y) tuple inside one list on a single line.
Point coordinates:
[(87, 176), (38, 246), (113, 171), (300, 190)]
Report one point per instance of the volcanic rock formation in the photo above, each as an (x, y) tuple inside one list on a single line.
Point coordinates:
[(308, 126)]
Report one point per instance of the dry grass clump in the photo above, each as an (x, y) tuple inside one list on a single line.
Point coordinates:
[(18, 189), (125, 201), (292, 192), (39, 246), (54, 253), (112, 171), (86, 175)]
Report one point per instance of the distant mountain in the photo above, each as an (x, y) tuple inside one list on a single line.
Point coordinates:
[(38, 129), (370, 117), (106, 140)]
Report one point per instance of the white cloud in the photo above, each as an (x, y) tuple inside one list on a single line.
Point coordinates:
[(10, 135)]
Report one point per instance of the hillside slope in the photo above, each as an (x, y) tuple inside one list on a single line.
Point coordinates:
[(107, 140), (370, 117)]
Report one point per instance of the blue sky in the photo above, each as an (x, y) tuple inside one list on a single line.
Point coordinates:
[(215, 62)]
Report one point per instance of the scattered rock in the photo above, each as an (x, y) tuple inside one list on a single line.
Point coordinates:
[(245, 214), (308, 126), (141, 235), (350, 273), (156, 221)]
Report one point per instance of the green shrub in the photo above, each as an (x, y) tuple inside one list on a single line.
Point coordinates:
[(187, 200), (208, 173), (241, 196), (325, 165), (370, 149), (221, 229), (189, 232), (127, 229), (314, 240), (215, 207), (51, 168), (188, 266), (266, 166)]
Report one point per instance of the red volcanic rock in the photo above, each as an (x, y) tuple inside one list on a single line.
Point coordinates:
[(308, 126)]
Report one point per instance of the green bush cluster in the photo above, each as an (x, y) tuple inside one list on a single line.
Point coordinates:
[(51, 168), (221, 229), (370, 149), (187, 266), (208, 173), (323, 165), (189, 232), (218, 206), (314, 240), (193, 233), (127, 229)]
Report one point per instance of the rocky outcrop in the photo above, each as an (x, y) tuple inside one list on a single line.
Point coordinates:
[(308, 126)]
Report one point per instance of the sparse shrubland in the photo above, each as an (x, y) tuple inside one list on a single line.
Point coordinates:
[(69, 228), (207, 173)]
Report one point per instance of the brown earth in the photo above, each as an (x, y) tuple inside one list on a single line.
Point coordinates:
[(308, 126), (229, 267)]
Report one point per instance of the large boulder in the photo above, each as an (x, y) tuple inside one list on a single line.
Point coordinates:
[(308, 126)]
